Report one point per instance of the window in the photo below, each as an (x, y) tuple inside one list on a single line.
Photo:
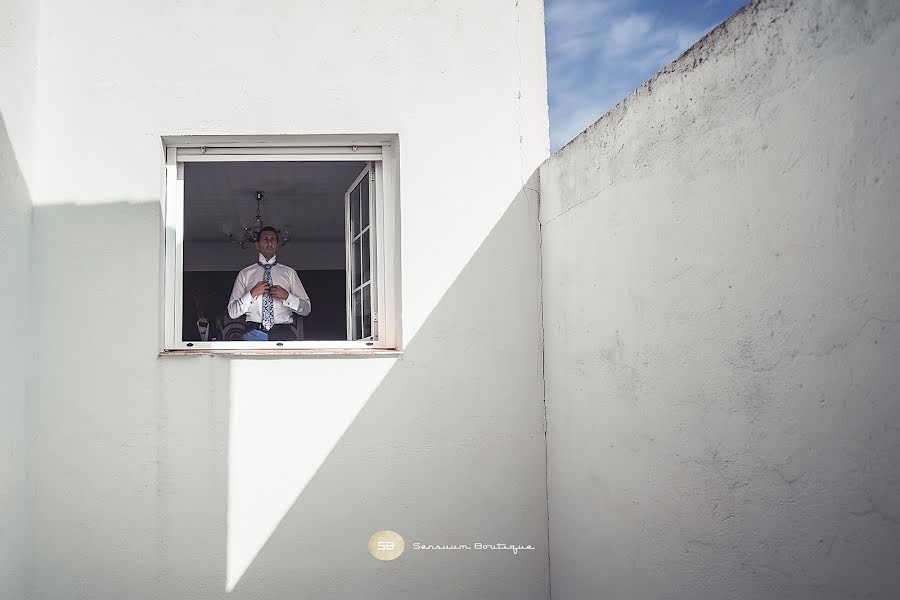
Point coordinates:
[(333, 203)]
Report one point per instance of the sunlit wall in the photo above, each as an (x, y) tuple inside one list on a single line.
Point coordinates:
[(184, 477), (721, 310)]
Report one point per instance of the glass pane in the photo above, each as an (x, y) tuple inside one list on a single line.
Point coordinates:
[(354, 266), (354, 212), (364, 202), (364, 266), (357, 325), (367, 311)]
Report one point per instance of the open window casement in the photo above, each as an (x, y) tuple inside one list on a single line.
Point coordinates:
[(359, 208)]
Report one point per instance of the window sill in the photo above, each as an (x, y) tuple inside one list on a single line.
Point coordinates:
[(310, 352)]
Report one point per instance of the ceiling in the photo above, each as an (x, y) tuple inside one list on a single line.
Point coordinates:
[(307, 198)]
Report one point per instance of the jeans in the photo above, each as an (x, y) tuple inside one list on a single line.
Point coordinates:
[(256, 335), (278, 333)]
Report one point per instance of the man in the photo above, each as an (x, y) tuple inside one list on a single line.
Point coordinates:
[(267, 292)]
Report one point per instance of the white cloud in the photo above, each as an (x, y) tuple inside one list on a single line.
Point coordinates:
[(644, 42), (599, 52), (628, 34), (576, 13), (573, 27)]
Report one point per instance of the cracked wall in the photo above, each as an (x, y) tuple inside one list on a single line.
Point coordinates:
[(721, 304)]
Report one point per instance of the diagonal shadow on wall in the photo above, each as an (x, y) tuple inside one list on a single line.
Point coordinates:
[(135, 458), (15, 200), (449, 449)]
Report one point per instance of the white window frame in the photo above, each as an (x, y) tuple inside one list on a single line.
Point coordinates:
[(381, 150), (349, 238)]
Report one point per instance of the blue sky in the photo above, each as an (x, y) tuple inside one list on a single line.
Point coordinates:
[(599, 51)]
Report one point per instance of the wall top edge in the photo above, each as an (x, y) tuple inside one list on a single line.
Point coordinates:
[(706, 46)]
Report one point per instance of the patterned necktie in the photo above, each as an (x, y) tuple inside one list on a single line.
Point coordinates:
[(268, 312)]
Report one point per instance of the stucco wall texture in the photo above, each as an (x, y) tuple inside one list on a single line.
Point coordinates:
[(721, 287), (18, 62), (183, 477)]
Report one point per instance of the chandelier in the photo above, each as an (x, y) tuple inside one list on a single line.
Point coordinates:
[(249, 234)]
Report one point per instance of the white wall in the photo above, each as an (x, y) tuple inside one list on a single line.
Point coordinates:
[(18, 59), (170, 477), (721, 285)]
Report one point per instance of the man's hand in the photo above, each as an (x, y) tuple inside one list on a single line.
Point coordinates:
[(260, 288), (276, 291)]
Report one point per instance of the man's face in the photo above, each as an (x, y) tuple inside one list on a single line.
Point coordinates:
[(267, 244)]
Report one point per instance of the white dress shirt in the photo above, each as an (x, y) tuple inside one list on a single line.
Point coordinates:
[(243, 303)]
